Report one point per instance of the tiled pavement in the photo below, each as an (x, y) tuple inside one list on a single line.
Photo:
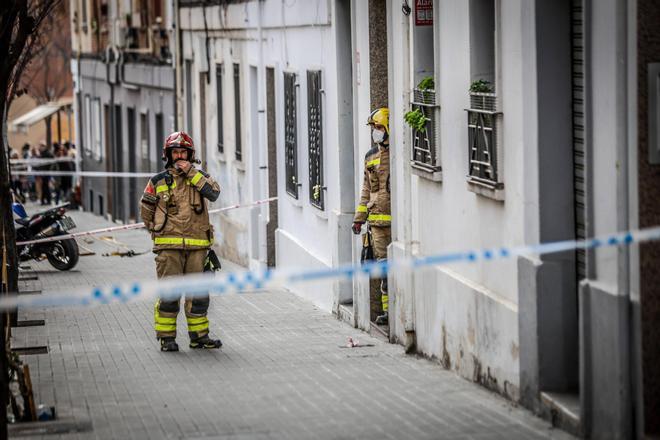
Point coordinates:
[(282, 372)]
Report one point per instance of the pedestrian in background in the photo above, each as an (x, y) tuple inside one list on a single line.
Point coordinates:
[(16, 184), (64, 183), (45, 181)]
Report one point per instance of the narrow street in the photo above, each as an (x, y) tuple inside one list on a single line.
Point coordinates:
[(284, 371)]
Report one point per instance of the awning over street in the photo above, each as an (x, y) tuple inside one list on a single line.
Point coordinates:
[(38, 114)]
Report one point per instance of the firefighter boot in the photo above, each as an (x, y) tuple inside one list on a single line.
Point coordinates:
[(205, 342), (168, 344)]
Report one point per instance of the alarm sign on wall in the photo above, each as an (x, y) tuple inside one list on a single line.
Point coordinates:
[(424, 12)]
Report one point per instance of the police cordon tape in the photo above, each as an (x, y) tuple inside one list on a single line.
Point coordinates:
[(135, 225), (242, 281), (82, 174), (41, 160)]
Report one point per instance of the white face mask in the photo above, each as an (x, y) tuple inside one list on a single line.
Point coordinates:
[(378, 136)]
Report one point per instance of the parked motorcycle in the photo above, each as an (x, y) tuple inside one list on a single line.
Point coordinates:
[(61, 254)]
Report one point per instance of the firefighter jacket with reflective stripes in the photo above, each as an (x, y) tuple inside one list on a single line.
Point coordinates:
[(375, 204), (174, 209)]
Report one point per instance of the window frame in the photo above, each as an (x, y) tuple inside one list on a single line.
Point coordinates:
[(484, 117)]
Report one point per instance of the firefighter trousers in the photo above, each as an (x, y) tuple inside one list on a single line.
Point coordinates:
[(173, 262), (382, 237)]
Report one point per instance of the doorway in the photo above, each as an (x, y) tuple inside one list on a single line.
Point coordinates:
[(272, 166), (117, 166), (132, 164)]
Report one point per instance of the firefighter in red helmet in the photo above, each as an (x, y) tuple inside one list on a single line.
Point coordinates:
[(174, 208)]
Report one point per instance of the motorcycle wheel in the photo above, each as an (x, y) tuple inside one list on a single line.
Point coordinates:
[(64, 254)]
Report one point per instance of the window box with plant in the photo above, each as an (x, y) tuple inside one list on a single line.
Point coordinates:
[(423, 119), (483, 146)]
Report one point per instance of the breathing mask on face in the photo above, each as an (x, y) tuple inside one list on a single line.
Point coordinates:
[(378, 136)]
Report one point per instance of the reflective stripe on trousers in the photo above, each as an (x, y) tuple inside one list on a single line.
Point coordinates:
[(183, 241), (161, 323)]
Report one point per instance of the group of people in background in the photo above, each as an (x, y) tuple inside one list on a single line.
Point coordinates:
[(44, 188)]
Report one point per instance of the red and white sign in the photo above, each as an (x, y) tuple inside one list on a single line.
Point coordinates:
[(423, 12)]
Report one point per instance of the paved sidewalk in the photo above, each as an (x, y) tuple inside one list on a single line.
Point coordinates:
[(282, 372)]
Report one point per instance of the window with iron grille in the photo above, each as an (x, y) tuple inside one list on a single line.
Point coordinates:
[(425, 142), (482, 140), (237, 111), (290, 134), (219, 75), (483, 117), (315, 138)]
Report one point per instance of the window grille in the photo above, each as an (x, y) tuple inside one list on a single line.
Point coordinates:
[(315, 136), (219, 75), (482, 140), (237, 110), (290, 134), (425, 142)]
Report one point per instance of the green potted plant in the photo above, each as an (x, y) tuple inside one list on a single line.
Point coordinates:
[(416, 119), (424, 93)]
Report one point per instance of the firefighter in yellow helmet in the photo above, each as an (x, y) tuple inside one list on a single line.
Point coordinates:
[(174, 208), (375, 206)]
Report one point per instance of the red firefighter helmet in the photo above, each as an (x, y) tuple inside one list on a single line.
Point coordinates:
[(178, 139)]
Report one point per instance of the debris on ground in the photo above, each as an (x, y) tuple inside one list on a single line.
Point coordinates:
[(128, 253), (353, 343)]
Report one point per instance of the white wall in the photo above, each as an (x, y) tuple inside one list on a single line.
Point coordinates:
[(295, 39), (466, 313)]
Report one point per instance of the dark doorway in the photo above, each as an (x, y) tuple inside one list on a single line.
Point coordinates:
[(117, 166), (272, 166), (109, 158), (132, 164), (160, 140), (378, 86)]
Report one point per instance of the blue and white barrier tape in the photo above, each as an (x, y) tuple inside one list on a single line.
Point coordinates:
[(236, 282)]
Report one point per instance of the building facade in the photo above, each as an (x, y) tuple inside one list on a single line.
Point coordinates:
[(535, 132), (124, 96), (265, 91), (538, 125)]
